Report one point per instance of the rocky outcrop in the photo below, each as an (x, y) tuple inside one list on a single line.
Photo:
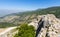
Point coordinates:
[(48, 26)]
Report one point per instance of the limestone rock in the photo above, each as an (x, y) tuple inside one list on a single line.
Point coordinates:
[(46, 26), (51, 26)]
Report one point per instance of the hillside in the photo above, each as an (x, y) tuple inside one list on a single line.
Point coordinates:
[(49, 10), (28, 16)]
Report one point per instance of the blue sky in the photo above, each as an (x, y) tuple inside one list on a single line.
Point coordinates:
[(27, 4), (23, 5)]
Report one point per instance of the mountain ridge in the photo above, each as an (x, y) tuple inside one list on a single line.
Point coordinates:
[(28, 16)]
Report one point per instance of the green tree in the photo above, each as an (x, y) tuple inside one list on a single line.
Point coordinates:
[(25, 31)]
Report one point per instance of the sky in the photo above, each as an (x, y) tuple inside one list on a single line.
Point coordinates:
[(25, 5)]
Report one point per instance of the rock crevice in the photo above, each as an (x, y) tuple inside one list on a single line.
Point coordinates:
[(48, 26)]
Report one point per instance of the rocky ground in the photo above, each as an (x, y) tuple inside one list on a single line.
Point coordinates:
[(51, 26), (2, 29), (8, 32), (48, 26)]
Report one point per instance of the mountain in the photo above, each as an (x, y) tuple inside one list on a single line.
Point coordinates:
[(4, 12), (28, 16), (49, 10)]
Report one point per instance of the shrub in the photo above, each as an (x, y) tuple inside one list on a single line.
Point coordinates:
[(25, 31)]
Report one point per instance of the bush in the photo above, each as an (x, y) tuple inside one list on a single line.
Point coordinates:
[(25, 31)]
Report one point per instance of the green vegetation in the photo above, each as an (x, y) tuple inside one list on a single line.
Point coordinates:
[(23, 16), (50, 10), (25, 31), (5, 25)]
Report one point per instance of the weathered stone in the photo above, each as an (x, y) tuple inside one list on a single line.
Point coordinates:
[(51, 26)]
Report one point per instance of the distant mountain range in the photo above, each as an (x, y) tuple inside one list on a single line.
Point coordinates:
[(4, 12), (50, 10), (28, 16)]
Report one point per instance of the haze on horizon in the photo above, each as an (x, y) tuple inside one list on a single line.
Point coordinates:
[(24, 5)]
